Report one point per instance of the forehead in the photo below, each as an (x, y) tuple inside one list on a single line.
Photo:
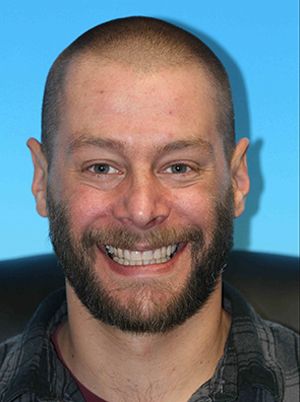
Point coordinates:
[(110, 99)]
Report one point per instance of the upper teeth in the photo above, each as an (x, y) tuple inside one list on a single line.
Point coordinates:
[(134, 257)]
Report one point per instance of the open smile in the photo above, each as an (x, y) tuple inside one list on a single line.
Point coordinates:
[(146, 257)]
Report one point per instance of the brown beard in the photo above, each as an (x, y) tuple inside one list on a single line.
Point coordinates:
[(77, 260)]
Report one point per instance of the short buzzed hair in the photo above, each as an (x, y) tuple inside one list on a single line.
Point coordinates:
[(146, 44)]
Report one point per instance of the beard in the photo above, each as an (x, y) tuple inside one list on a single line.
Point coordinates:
[(145, 310)]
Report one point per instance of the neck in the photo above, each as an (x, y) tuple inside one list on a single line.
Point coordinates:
[(113, 364)]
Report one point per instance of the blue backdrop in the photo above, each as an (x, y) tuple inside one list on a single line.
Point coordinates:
[(257, 41)]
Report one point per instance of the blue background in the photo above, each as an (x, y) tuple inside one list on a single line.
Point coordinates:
[(257, 41)]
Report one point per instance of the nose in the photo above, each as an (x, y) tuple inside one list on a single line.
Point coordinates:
[(142, 204)]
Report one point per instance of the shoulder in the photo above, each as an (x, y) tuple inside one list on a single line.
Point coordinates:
[(27, 360), (280, 344), (10, 351), (281, 350), (267, 353)]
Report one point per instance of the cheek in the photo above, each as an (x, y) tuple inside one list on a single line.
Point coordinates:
[(195, 207), (88, 209)]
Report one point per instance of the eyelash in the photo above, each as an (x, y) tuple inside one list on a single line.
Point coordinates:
[(180, 165), (172, 171), (105, 165)]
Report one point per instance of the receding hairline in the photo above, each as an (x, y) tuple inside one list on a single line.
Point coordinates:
[(82, 64), (143, 43), (140, 53)]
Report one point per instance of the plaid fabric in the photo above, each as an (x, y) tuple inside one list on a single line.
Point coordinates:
[(259, 364)]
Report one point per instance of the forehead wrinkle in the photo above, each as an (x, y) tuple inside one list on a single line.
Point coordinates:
[(120, 146), (100, 142)]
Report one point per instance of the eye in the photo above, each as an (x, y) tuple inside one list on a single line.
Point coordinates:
[(103, 169), (178, 168)]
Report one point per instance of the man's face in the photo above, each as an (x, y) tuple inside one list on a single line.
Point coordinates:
[(140, 196)]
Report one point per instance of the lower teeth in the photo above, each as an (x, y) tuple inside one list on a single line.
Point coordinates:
[(138, 262)]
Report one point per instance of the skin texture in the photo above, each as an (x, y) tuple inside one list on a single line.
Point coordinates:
[(141, 125)]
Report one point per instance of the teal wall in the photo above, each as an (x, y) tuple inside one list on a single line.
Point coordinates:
[(257, 41)]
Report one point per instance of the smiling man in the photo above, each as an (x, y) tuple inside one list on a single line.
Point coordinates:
[(140, 176)]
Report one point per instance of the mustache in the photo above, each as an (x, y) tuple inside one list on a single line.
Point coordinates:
[(125, 238)]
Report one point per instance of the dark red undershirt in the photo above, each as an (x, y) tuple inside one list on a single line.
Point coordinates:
[(87, 394)]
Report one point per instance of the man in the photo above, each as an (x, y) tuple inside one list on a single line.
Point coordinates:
[(140, 177)]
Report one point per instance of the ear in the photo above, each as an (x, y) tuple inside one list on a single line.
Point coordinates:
[(240, 177), (40, 177)]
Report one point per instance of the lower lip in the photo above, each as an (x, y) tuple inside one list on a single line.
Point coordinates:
[(143, 270)]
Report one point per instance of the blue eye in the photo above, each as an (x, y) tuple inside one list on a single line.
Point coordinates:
[(178, 168), (103, 168)]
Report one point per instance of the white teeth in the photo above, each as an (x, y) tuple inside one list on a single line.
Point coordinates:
[(157, 253), (135, 256), (147, 255), (120, 253), (129, 257), (127, 254)]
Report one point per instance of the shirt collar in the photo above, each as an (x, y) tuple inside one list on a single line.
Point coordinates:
[(243, 363), (36, 363)]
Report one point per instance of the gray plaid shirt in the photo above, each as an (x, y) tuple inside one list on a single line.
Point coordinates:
[(260, 363)]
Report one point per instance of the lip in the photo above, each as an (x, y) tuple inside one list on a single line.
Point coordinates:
[(143, 270)]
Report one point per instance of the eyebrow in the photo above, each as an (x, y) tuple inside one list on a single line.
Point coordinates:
[(183, 144), (115, 145), (84, 141)]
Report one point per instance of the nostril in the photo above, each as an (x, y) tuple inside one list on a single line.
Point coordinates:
[(142, 222), (141, 218), (143, 205)]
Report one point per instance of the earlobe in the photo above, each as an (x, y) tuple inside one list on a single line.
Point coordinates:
[(40, 177), (240, 177)]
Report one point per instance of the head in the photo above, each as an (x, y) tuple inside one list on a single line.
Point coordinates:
[(145, 44), (139, 173)]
